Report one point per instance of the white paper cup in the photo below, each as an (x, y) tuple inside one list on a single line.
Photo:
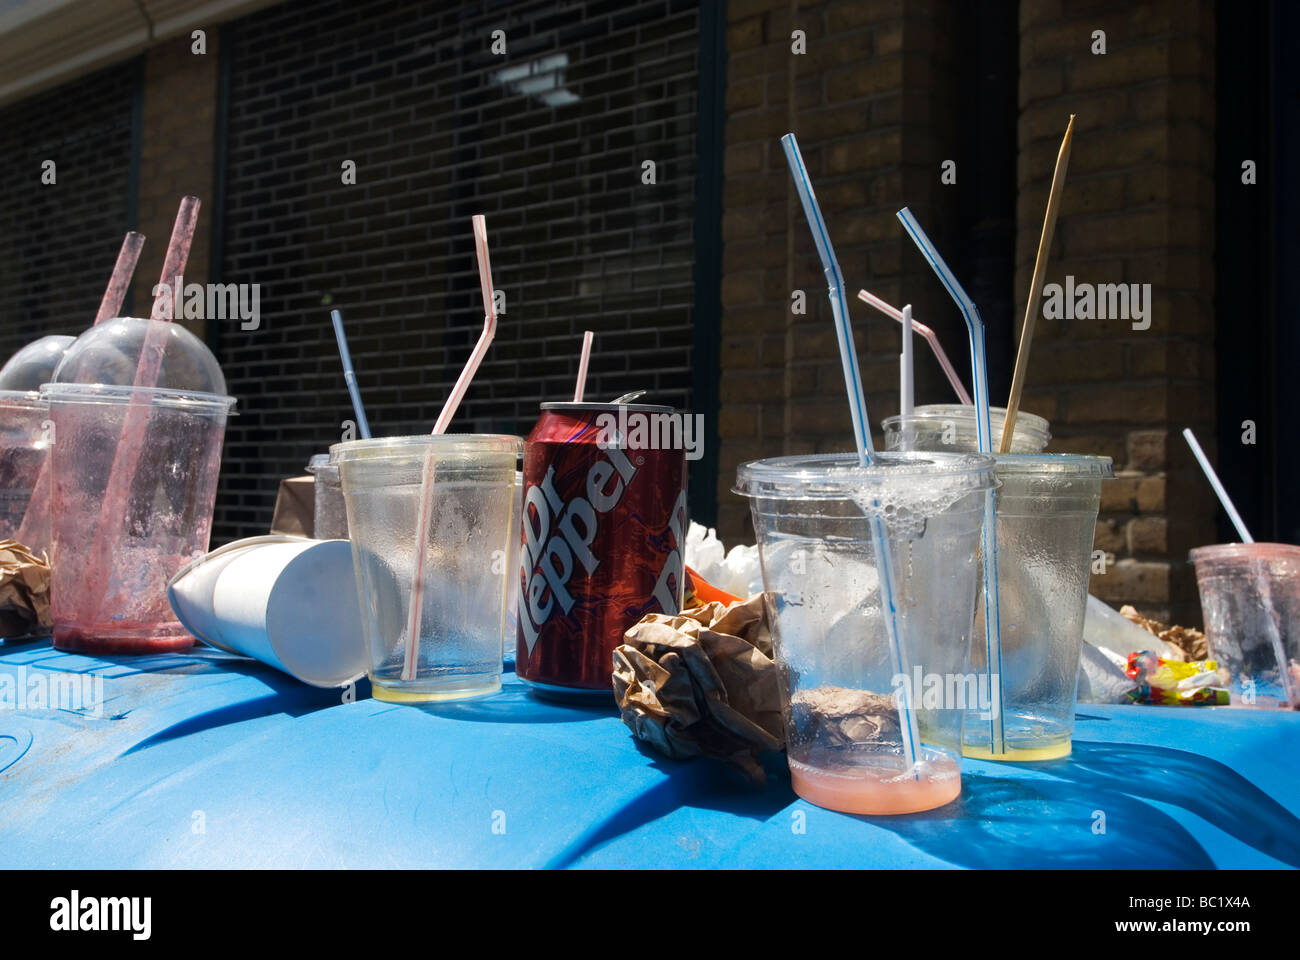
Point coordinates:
[(292, 604)]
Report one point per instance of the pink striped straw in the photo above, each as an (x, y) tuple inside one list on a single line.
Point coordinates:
[(110, 305), (448, 411), (930, 337), (135, 426), (583, 360)]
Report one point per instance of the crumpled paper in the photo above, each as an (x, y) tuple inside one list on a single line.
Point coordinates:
[(24, 592), (1189, 640), (703, 683)]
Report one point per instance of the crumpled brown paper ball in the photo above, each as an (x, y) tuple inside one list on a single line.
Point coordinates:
[(24, 592), (703, 683), (1189, 640)]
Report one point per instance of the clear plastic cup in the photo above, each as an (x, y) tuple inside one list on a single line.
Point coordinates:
[(472, 525), (330, 515), (33, 366), (509, 635), (812, 515), (163, 523), (951, 427), (24, 454), (1250, 597), (1047, 517)]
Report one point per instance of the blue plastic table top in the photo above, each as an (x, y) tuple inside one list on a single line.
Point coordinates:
[(206, 760)]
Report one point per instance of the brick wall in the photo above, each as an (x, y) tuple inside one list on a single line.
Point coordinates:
[(178, 126), (58, 241), (1138, 208), (874, 111)]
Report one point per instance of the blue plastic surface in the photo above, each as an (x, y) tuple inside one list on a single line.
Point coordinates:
[(206, 760)]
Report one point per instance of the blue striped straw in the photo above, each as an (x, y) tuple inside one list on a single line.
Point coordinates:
[(349, 375), (979, 374), (862, 434)]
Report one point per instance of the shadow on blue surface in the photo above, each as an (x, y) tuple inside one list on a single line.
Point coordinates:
[(1010, 824), (1214, 792), (517, 704), (700, 783), (285, 695)]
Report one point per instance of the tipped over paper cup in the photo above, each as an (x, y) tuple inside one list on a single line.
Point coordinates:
[(289, 602)]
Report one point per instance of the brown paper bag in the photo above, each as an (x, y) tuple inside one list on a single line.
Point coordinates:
[(24, 592), (703, 683), (295, 507)]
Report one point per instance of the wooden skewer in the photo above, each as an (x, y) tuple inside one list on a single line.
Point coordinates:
[(1035, 287)]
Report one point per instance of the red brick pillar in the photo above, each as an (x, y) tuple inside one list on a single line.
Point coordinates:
[(1138, 208), (872, 111), (177, 148)]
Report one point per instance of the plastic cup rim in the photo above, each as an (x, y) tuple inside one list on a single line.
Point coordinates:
[(782, 478), (1214, 552), (116, 393), (405, 447)]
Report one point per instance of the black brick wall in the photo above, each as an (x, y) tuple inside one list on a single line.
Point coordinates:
[(409, 91), (58, 242)]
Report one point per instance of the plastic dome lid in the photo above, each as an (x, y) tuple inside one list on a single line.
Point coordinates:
[(34, 364), (110, 352)]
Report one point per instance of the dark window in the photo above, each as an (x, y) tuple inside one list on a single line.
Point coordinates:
[(547, 141)]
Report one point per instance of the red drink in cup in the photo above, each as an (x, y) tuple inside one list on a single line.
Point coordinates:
[(604, 535)]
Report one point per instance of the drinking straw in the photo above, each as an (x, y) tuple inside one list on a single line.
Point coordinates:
[(931, 338), (1217, 484), (583, 360), (135, 426), (979, 377), (123, 270), (448, 410), (110, 305), (862, 435), (905, 366), (1035, 288), (349, 375), (1265, 590)]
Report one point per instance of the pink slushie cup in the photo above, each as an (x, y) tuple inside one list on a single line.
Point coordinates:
[(114, 599)]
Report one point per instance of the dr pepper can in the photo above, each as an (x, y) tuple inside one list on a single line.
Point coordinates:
[(603, 540)]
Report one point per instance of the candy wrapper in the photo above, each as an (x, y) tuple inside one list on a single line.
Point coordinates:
[(1175, 682), (703, 683), (24, 592)]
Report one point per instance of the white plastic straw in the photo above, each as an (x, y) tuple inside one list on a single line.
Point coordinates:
[(1217, 484), (979, 377), (862, 434), (905, 390), (349, 375), (583, 360), (448, 411), (949, 371)]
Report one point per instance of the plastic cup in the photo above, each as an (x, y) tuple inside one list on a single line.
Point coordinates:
[(162, 525), (812, 516), (330, 517), (951, 427), (24, 450), (1047, 517), (1250, 597), (472, 525), (510, 634)]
